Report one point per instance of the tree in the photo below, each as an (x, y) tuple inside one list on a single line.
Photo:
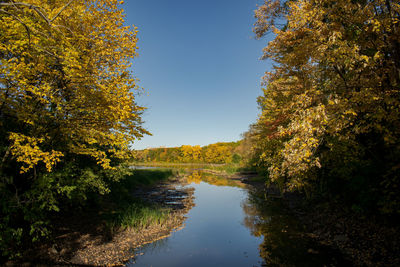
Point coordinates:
[(67, 98), (65, 81), (190, 153), (330, 107), (217, 153)]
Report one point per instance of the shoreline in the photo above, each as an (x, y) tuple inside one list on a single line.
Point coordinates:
[(364, 241), (86, 241)]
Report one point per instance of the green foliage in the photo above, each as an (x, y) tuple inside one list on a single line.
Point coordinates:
[(236, 158), (26, 217), (135, 178)]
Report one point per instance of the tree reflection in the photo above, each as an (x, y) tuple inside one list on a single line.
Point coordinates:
[(201, 176), (284, 243)]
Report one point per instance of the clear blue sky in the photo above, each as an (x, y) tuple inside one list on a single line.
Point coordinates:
[(200, 68)]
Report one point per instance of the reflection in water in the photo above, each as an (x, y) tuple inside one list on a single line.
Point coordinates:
[(284, 241), (233, 226), (200, 176), (214, 234), (135, 167)]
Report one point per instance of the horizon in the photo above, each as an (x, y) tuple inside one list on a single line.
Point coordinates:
[(189, 145)]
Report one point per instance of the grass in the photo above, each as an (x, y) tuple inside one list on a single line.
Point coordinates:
[(145, 177), (121, 210), (125, 211), (230, 168), (139, 215)]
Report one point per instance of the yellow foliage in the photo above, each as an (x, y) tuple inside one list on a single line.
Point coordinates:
[(27, 151), (190, 153), (336, 77), (218, 153), (65, 80)]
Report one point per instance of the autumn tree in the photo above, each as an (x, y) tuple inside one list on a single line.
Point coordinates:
[(67, 95), (222, 152), (330, 106), (217, 153), (190, 153)]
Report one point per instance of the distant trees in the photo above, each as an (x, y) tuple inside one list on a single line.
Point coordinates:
[(67, 106), (217, 153), (330, 118), (190, 153), (214, 153)]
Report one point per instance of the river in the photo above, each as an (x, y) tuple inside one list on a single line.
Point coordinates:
[(231, 224)]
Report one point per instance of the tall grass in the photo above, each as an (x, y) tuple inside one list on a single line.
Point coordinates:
[(125, 211), (139, 215)]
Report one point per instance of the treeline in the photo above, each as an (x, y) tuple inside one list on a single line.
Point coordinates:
[(330, 110), (67, 110), (219, 153)]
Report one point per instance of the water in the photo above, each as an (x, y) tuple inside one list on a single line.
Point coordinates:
[(233, 226), (135, 167)]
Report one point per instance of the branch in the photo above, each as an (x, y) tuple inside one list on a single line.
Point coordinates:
[(62, 9), (28, 31), (36, 8), (3, 161), (341, 76)]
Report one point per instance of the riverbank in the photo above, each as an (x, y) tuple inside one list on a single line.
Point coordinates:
[(231, 171), (364, 240), (367, 240), (96, 237), (226, 168), (102, 236)]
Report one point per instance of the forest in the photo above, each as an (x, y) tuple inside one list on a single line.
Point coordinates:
[(328, 128), (218, 153)]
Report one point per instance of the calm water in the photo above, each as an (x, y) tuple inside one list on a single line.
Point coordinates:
[(232, 226)]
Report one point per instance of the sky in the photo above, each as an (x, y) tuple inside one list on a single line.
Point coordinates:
[(199, 64)]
